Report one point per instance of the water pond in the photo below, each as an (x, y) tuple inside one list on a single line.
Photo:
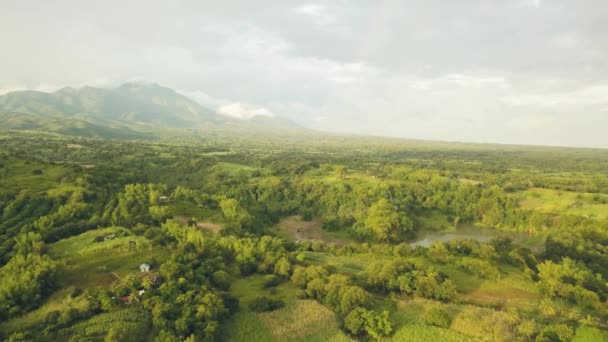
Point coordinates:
[(469, 231)]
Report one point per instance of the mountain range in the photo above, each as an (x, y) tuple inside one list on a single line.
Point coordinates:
[(132, 110)]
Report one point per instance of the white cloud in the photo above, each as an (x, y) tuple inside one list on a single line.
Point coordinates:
[(43, 87), (459, 80), (590, 95), (310, 9), (242, 111)]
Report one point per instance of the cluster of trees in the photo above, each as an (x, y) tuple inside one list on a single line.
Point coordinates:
[(573, 281), (403, 276), (27, 278), (140, 203), (349, 301)]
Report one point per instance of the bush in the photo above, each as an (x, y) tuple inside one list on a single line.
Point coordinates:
[(75, 293), (263, 304), (36, 172), (247, 268), (436, 316), (221, 279), (555, 333), (271, 280)]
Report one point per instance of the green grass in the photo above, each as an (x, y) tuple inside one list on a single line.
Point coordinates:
[(420, 332), (245, 326), (248, 288), (300, 321), (565, 203), (59, 301), (190, 209), (232, 169), (589, 334), (434, 220), (17, 175), (134, 322), (297, 229), (89, 264)]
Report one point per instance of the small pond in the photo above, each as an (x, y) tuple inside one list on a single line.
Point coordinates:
[(468, 231)]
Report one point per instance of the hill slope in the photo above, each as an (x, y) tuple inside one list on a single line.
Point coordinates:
[(123, 112)]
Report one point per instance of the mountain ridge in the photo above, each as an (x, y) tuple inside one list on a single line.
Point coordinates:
[(129, 109)]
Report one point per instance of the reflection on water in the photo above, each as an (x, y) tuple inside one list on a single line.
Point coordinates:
[(463, 232)]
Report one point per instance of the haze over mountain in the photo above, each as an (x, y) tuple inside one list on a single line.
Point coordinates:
[(129, 110)]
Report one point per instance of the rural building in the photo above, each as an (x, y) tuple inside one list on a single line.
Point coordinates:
[(144, 267)]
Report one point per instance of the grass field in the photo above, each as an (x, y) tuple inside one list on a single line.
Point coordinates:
[(296, 229), (59, 301), (567, 203), (89, 264), (18, 175), (300, 321), (232, 169), (191, 210)]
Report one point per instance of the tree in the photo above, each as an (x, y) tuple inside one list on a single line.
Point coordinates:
[(375, 325), (221, 279), (555, 333), (116, 334), (282, 267), (382, 223)]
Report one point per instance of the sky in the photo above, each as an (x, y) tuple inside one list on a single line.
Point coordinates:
[(506, 71)]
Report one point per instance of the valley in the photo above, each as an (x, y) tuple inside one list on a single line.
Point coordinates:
[(391, 242)]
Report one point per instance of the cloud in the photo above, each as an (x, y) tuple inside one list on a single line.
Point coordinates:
[(459, 80), (470, 70), (586, 96), (43, 87), (310, 9), (241, 111)]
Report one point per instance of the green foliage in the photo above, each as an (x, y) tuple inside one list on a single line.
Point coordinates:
[(555, 333), (127, 324), (362, 321), (436, 316), (381, 192), (26, 280), (570, 280), (383, 223), (263, 304)]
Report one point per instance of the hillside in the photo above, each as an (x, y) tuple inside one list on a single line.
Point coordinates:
[(131, 110)]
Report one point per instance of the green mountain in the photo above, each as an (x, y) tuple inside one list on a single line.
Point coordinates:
[(129, 111)]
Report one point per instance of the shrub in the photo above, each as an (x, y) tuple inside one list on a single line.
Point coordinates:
[(36, 172), (271, 280), (247, 268), (436, 316), (263, 304), (556, 332), (221, 279)]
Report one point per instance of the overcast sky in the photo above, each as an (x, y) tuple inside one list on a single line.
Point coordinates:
[(510, 71)]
